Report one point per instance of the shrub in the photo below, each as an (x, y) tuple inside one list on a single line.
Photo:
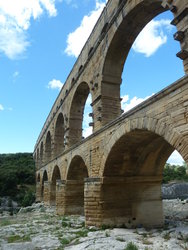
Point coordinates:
[(131, 246), (28, 199), (172, 172)]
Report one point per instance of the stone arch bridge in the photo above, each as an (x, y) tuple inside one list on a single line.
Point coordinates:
[(113, 176)]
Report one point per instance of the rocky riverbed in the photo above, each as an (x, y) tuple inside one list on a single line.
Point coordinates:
[(38, 227)]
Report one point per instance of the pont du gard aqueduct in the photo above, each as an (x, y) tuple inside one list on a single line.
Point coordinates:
[(114, 176)]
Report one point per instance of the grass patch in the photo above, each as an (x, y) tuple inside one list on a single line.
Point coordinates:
[(92, 229), (104, 227), (131, 246), (82, 233), (185, 239), (18, 238), (83, 224), (144, 235), (166, 236), (146, 242), (66, 224), (65, 241), (120, 239), (65, 219), (4, 223)]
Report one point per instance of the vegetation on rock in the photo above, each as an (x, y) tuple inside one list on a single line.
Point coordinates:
[(17, 177), (175, 173)]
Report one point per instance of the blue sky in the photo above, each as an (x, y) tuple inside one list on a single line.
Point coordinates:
[(39, 43)]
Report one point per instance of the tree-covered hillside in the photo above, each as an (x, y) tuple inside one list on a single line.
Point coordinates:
[(175, 173), (17, 176)]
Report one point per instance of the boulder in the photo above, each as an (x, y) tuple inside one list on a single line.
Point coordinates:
[(175, 190)]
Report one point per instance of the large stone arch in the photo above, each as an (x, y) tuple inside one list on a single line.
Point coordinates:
[(168, 134), (132, 171), (132, 19), (59, 132), (56, 176), (74, 196), (139, 14), (48, 147), (76, 113)]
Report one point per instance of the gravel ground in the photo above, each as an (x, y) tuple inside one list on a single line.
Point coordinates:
[(38, 227)]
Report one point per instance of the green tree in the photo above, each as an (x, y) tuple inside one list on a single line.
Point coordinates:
[(17, 175)]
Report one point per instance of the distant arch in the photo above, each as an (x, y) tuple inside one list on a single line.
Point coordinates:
[(76, 174), (59, 135), (44, 178), (38, 177), (41, 152), (48, 147), (76, 113), (56, 175), (37, 158), (77, 169)]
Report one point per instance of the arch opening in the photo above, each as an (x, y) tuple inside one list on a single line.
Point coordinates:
[(37, 158), (119, 50), (44, 178), (59, 135), (55, 177), (48, 148), (133, 174), (77, 172), (41, 153), (77, 113), (87, 122), (150, 62), (38, 177)]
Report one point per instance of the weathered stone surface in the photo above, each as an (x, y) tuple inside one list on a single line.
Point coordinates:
[(175, 190), (45, 230), (133, 147)]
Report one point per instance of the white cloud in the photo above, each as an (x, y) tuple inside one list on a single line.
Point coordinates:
[(1, 107), (77, 38), (15, 20), (68, 1), (175, 159), (72, 3), (152, 37), (16, 74), (55, 84), (87, 130), (126, 106), (89, 101)]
